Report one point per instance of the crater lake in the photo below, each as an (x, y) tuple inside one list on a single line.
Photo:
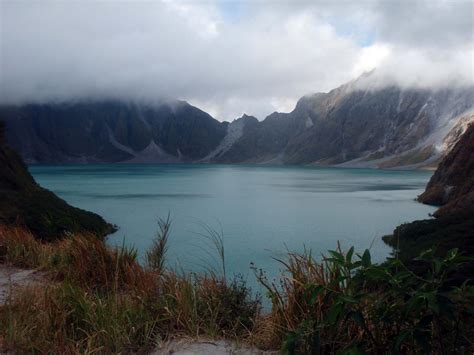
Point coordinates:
[(262, 211)]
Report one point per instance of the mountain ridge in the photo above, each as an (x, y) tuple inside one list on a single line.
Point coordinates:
[(111, 131), (359, 124), (381, 127)]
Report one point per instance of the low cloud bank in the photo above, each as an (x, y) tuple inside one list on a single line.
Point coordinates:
[(258, 59)]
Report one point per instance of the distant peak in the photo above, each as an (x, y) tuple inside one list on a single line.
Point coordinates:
[(246, 117)]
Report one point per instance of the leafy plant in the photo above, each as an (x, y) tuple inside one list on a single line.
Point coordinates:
[(347, 303)]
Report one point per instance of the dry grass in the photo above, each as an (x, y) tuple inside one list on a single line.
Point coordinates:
[(19, 247), (156, 256), (292, 302), (103, 301)]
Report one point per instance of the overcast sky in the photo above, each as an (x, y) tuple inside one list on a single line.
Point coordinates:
[(227, 57)]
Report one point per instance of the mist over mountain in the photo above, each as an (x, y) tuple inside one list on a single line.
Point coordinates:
[(359, 124), (227, 57), (111, 131)]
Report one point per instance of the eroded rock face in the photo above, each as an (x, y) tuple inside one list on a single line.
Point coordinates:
[(452, 185)]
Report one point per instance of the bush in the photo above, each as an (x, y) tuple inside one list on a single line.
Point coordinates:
[(350, 305)]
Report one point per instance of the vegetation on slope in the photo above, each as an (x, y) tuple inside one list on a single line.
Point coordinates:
[(111, 131), (23, 201), (452, 188), (103, 301)]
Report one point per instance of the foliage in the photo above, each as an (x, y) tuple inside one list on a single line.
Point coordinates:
[(444, 233), (101, 300), (346, 303)]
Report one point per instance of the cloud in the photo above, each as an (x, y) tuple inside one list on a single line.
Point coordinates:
[(227, 58)]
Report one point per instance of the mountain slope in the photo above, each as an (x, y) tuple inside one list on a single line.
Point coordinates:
[(111, 131), (452, 185), (23, 201), (452, 188), (358, 124)]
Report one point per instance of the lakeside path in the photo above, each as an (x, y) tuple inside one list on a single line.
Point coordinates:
[(12, 277), (210, 347)]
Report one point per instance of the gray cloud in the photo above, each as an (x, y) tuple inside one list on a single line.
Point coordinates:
[(442, 25), (258, 61)]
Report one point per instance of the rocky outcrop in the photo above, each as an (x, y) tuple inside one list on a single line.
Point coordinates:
[(24, 202), (111, 131), (452, 185)]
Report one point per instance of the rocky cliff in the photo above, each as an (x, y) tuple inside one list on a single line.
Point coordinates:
[(452, 185), (24, 202)]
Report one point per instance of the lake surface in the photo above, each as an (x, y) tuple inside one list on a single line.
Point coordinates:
[(262, 210)]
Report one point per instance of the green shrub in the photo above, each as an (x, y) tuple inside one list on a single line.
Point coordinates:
[(351, 305)]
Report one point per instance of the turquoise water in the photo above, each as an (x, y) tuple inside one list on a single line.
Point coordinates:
[(262, 210)]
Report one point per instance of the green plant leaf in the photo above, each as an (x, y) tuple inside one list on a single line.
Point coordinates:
[(349, 255), (366, 259)]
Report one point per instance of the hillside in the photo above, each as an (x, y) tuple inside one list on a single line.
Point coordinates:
[(111, 131), (452, 185), (452, 188), (24, 202), (359, 125)]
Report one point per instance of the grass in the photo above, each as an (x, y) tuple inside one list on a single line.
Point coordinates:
[(156, 256), (347, 304), (101, 300)]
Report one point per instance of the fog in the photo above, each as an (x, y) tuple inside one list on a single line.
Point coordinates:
[(227, 57)]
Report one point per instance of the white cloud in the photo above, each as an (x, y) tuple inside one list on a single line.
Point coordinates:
[(370, 58), (264, 60)]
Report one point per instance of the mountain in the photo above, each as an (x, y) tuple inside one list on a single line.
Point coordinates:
[(111, 131), (24, 202), (452, 188), (452, 185), (360, 124)]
